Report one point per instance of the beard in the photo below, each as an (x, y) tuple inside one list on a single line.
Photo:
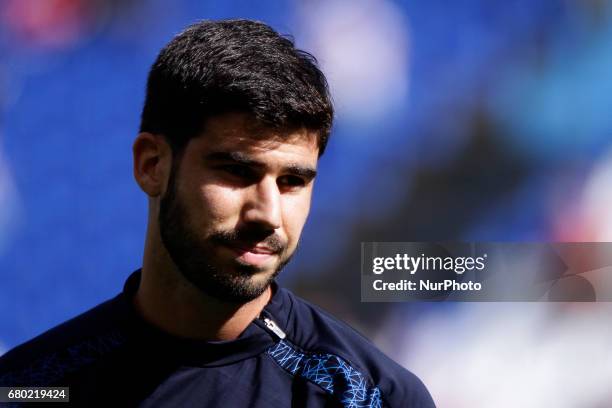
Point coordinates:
[(197, 258)]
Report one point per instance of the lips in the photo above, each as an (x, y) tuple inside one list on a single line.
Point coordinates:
[(257, 255), (258, 249)]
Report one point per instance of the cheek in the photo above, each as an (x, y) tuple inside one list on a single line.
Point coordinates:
[(296, 211), (218, 205)]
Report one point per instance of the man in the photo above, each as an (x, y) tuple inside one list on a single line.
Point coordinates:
[(234, 122)]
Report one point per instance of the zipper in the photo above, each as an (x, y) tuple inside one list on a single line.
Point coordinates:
[(273, 327)]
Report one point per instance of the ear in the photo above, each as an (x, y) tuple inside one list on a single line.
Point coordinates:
[(152, 163)]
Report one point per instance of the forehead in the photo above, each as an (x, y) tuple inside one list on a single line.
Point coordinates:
[(235, 132)]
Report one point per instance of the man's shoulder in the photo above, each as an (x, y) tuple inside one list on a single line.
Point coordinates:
[(49, 356), (316, 331)]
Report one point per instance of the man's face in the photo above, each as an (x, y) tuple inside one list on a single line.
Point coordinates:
[(236, 202)]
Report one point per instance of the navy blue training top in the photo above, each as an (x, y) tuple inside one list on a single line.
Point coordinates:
[(294, 355)]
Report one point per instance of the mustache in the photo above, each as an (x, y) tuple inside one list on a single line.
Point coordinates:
[(249, 237)]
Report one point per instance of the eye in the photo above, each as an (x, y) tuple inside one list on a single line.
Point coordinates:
[(237, 170), (291, 182)]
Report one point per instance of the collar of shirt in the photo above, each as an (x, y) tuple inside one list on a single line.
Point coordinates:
[(253, 341)]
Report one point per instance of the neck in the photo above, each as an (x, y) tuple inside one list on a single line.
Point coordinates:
[(168, 301)]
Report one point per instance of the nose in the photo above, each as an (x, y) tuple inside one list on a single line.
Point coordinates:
[(263, 205)]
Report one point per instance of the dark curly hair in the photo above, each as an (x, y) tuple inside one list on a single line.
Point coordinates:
[(216, 67)]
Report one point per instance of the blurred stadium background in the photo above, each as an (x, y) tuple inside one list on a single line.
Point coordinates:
[(464, 120)]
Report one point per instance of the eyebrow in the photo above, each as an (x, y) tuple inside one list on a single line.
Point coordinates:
[(306, 172)]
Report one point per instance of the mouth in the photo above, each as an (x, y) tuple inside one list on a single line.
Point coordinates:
[(256, 255)]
